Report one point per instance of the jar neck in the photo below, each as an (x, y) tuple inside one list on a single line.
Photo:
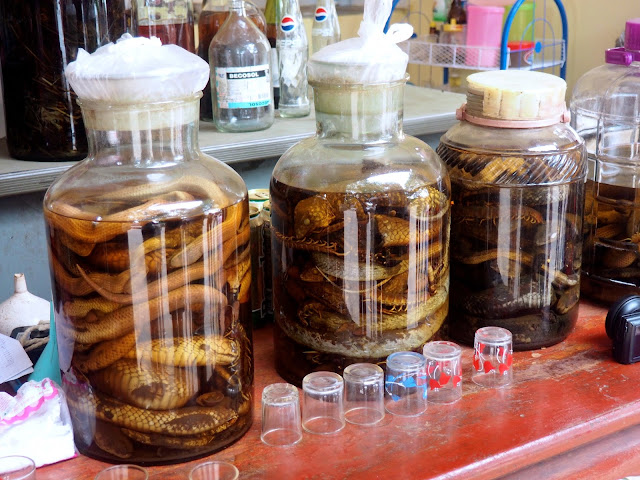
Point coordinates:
[(145, 133), (359, 113)]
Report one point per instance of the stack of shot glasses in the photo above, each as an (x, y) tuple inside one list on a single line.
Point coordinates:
[(364, 393)]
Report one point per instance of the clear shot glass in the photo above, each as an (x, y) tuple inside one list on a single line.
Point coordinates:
[(492, 357), (363, 393), (444, 370), (123, 472), (281, 424), (17, 467), (323, 406), (214, 470), (406, 384)]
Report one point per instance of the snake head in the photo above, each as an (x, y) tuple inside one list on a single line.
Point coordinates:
[(311, 214)]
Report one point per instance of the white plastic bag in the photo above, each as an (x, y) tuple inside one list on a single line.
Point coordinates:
[(36, 423)]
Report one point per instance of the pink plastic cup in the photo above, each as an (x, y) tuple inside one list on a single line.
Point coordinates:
[(484, 29)]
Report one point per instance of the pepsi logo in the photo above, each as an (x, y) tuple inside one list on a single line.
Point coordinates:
[(321, 14), (287, 24)]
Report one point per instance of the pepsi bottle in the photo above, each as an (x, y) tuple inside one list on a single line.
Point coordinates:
[(293, 53), (326, 29)]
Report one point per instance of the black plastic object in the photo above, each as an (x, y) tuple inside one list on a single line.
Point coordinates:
[(623, 327)]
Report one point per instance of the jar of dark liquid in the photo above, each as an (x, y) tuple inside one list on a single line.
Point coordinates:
[(603, 112), (169, 20), (149, 246), (517, 181), (37, 41), (360, 230)]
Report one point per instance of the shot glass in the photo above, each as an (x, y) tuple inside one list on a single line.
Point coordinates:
[(363, 393), (281, 415), (214, 470), (406, 384), (444, 370), (492, 357), (123, 472), (17, 467), (322, 406)]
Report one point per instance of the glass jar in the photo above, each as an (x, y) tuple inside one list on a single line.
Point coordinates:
[(169, 20), (602, 110), (37, 41), (360, 232), (150, 260), (517, 182)]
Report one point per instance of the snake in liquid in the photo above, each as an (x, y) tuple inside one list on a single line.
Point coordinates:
[(516, 226), (150, 316), (363, 274)]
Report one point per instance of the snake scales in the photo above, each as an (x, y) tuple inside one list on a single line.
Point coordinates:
[(363, 274), (151, 298), (516, 222)]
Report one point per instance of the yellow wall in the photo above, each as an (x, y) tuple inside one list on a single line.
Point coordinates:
[(594, 26)]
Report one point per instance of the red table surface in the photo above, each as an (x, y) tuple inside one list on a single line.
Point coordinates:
[(571, 412)]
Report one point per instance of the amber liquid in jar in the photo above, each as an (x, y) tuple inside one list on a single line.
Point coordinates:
[(611, 237), (154, 328), (362, 274), (208, 25), (515, 263), (180, 34)]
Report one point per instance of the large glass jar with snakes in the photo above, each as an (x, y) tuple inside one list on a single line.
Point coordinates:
[(517, 179), (150, 262), (604, 111), (360, 228)]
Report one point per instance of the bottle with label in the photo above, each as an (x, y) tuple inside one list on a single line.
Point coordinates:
[(240, 75), (457, 12), (170, 21), (326, 29), (293, 53), (272, 34), (213, 15)]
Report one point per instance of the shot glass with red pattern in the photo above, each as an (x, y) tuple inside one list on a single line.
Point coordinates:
[(492, 357)]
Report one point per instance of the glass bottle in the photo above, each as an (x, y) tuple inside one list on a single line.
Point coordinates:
[(149, 253), (213, 15), (169, 20), (359, 231), (517, 181), (457, 12), (241, 91), (272, 34), (37, 41), (602, 109), (293, 53), (326, 28)]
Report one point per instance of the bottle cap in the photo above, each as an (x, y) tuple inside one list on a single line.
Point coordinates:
[(632, 35), (137, 70), (516, 95), (631, 50)]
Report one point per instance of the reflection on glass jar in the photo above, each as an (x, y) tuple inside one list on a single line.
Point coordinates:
[(516, 224), (151, 266), (360, 235)]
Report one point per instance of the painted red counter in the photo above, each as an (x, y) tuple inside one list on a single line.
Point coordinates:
[(572, 412)]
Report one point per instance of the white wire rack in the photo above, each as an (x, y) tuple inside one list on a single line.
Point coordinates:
[(423, 50)]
